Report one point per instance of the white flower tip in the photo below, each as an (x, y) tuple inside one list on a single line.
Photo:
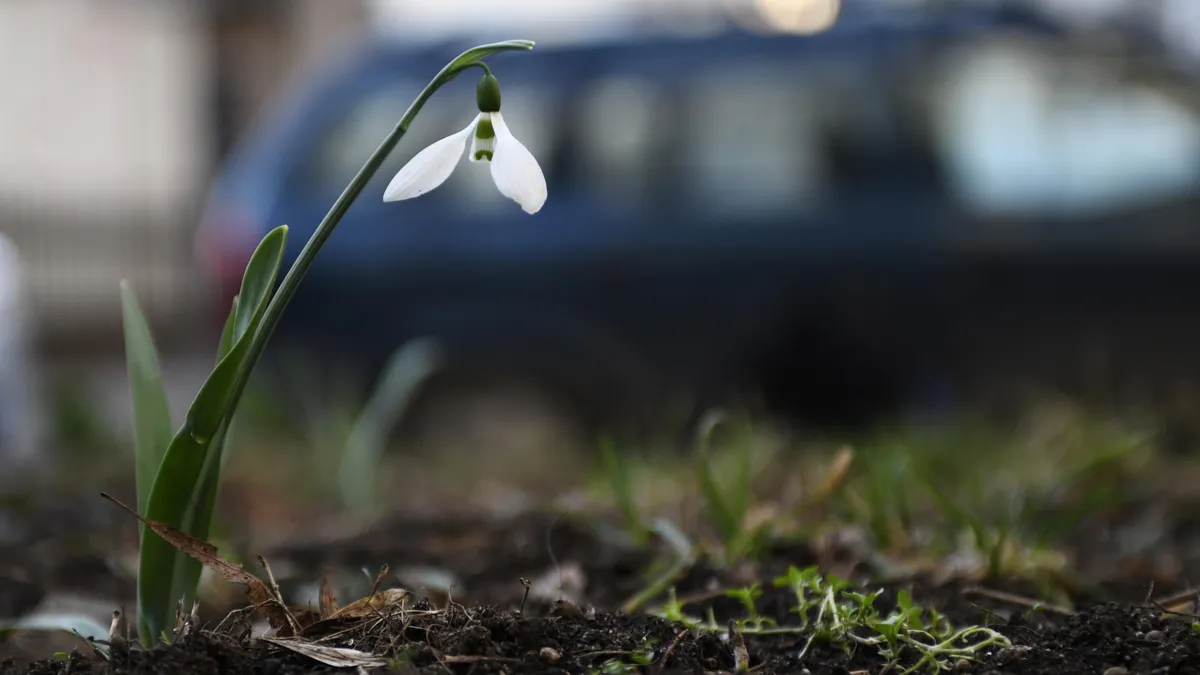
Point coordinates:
[(516, 171), (534, 203), (395, 191), (429, 168)]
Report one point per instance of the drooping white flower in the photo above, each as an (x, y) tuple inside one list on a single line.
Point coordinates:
[(514, 169)]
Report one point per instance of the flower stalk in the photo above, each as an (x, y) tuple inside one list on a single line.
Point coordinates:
[(291, 281)]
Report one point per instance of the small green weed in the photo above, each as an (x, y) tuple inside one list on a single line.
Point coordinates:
[(829, 611)]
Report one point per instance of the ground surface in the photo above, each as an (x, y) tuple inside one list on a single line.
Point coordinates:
[(1101, 640), (468, 612), (570, 623)]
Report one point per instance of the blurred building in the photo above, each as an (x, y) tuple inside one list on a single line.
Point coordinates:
[(114, 116)]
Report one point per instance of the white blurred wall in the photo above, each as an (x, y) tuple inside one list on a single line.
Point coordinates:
[(100, 106), (108, 140), (102, 125)]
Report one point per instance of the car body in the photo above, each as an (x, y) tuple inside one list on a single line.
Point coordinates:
[(831, 220)]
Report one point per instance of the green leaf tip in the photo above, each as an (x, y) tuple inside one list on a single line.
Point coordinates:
[(476, 55), (151, 414)]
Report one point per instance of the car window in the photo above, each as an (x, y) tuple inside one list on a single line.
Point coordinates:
[(778, 140), (621, 120), (750, 143), (1026, 128), (341, 150)]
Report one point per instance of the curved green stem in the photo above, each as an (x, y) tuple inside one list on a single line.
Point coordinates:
[(291, 281)]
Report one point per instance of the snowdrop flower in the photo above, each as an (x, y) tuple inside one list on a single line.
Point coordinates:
[(514, 169)]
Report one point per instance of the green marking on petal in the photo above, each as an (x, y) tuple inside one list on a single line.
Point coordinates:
[(484, 129), (485, 140)]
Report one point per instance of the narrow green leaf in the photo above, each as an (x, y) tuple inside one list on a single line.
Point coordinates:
[(198, 519), (229, 333), (728, 523), (204, 415), (739, 505), (151, 414), (477, 54), (407, 369), (713, 498), (617, 471), (183, 468)]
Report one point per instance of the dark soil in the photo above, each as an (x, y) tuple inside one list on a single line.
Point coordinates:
[(486, 640), (480, 627)]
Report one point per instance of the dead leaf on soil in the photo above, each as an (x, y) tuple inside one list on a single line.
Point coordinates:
[(839, 471), (206, 553), (328, 600), (378, 604), (373, 605), (338, 657)]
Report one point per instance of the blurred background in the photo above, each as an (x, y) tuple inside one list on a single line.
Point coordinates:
[(832, 212), (842, 218)]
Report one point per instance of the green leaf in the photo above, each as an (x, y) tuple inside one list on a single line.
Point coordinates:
[(478, 54), (198, 519), (187, 466), (151, 414), (205, 496), (228, 332), (204, 416)]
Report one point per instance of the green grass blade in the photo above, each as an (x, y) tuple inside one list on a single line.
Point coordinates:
[(183, 470), (958, 515), (151, 414), (616, 469), (739, 505), (408, 368), (728, 526)]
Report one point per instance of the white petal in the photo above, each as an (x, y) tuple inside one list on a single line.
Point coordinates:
[(515, 170), (429, 168)]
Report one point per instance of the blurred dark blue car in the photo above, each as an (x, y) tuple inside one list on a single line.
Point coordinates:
[(832, 223)]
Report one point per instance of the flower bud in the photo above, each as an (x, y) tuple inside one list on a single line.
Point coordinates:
[(487, 94)]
